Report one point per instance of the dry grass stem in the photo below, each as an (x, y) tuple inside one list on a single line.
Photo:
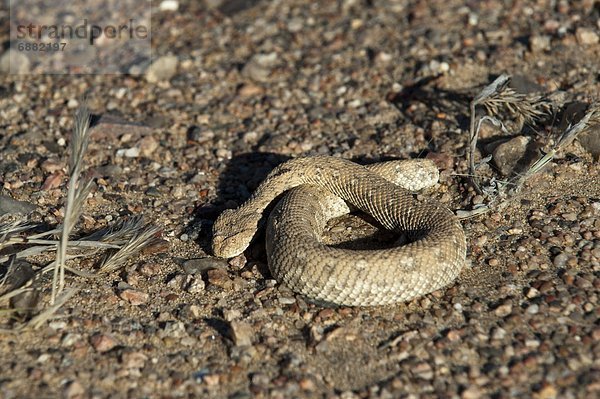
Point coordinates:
[(138, 241), (590, 120), (486, 93), (496, 98), (120, 233), (14, 293), (38, 320), (9, 229), (21, 239), (76, 194), (9, 269)]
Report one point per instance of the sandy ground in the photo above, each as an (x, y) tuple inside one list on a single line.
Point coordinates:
[(255, 83)]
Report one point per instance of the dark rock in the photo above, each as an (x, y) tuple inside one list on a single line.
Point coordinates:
[(590, 140), (507, 155), (17, 274), (200, 265), (9, 206)]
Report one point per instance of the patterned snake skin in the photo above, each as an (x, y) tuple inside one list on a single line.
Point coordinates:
[(317, 190)]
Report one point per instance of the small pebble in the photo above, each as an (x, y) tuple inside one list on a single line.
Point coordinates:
[(14, 61), (533, 309), (508, 154), (472, 392), (306, 384), (238, 262), (212, 380), (53, 181), (162, 69), (74, 390), (194, 285), (287, 300), (103, 342), (587, 36), (571, 216), (547, 392), (250, 90), (134, 297), (498, 333), (70, 339), (560, 260), (132, 152), (219, 278), (147, 146), (503, 310), (231, 314), (169, 5), (9, 206), (135, 360), (453, 336), (242, 333), (150, 269), (539, 43)]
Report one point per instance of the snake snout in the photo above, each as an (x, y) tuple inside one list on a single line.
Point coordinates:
[(229, 246), (217, 245)]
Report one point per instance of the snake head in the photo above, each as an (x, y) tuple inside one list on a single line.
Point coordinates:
[(233, 232)]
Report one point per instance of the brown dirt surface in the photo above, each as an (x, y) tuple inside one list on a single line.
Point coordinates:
[(257, 82)]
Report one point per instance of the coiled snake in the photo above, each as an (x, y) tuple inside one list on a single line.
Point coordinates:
[(317, 189)]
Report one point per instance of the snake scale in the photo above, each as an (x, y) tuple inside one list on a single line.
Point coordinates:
[(316, 189)]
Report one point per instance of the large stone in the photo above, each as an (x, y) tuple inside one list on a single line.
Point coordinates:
[(507, 155)]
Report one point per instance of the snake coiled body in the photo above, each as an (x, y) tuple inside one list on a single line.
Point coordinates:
[(314, 185)]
